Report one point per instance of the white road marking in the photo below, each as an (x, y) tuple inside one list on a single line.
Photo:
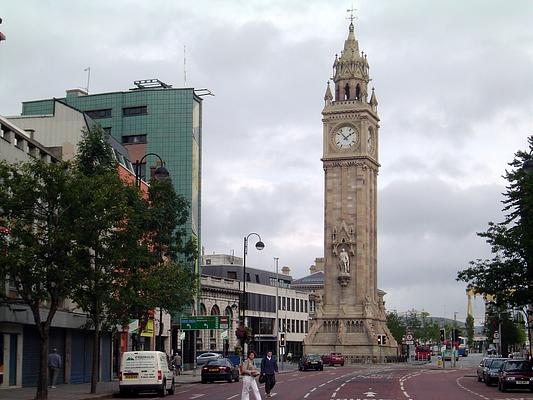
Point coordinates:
[(235, 395)]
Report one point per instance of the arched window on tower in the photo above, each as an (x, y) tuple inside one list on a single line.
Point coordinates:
[(347, 92), (358, 92), (337, 95)]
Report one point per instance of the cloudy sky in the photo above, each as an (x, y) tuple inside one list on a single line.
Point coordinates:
[(453, 79)]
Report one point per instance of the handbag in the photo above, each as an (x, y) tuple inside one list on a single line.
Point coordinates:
[(262, 378)]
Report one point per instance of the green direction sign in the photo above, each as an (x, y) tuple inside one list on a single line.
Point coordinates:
[(201, 322)]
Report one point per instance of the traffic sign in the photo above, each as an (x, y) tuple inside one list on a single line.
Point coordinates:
[(224, 322), (409, 337), (496, 335), (200, 322)]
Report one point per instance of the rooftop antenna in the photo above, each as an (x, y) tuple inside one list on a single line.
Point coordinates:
[(88, 70), (184, 66)]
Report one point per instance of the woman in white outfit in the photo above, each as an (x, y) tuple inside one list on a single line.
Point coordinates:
[(249, 372)]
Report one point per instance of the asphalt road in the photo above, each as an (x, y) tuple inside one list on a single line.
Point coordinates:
[(379, 382)]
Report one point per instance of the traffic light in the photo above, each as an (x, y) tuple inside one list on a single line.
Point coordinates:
[(442, 334), (380, 339), (282, 339), (383, 339), (456, 334)]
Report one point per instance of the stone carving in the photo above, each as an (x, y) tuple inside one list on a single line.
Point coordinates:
[(344, 261)]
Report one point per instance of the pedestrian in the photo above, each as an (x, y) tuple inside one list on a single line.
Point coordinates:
[(249, 372), (269, 367), (54, 365), (176, 362)]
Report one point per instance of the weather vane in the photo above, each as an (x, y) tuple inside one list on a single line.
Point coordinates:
[(351, 17)]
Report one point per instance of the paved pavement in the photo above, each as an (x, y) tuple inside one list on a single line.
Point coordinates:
[(104, 390)]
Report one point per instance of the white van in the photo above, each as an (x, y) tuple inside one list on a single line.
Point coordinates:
[(142, 371)]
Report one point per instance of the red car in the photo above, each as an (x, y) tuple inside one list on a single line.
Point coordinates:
[(333, 358), (515, 374)]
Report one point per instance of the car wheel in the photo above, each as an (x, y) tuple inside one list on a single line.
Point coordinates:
[(503, 388), (342, 365), (321, 368), (229, 379), (237, 378), (331, 365), (487, 381), (163, 391), (172, 389), (204, 380)]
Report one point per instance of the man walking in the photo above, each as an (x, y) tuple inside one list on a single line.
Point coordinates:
[(176, 362), (54, 365), (269, 367)]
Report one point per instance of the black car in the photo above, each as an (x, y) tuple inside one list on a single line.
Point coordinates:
[(516, 374), (221, 369), (493, 370), (311, 361)]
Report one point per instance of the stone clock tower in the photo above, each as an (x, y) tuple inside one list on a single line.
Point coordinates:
[(351, 313)]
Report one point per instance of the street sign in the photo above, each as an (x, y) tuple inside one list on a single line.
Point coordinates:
[(496, 335), (409, 337), (409, 342), (200, 322), (224, 322)]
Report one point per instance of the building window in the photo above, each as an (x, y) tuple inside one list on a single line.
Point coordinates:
[(133, 111), (292, 305), (231, 274), (297, 305), (107, 130), (306, 326), (256, 278), (279, 302), (305, 305), (134, 139), (247, 277), (96, 114), (283, 301)]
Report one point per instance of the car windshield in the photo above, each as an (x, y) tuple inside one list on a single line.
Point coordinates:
[(518, 366), (496, 364), (313, 357), (216, 362)]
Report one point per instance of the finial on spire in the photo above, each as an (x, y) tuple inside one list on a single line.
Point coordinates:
[(351, 17)]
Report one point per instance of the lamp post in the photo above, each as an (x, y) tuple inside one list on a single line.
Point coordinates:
[(276, 259), (160, 172), (259, 246), (527, 166)]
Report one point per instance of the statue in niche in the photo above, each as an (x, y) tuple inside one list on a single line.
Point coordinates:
[(344, 261)]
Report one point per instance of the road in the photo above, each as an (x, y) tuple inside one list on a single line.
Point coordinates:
[(377, 382)]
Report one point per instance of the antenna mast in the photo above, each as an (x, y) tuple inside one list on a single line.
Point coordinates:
[(184, 67), (88, 70)]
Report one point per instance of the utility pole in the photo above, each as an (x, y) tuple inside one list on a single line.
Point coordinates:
[(276, 259)]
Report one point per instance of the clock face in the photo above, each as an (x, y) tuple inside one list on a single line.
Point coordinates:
[(345, 137)]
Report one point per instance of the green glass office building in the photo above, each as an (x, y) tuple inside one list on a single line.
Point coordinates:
[(155, 118)]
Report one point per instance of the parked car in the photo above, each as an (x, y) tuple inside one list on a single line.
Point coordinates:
[(205, 357), (311, 361), (482, 368), (493, 370), (516, 374), (221, 369), (332, 359), (144, 371)]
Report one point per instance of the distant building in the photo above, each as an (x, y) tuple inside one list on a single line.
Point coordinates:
[(292, 316)]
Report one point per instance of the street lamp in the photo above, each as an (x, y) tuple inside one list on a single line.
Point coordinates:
[(277, 307), (527, 166), (259, 246), (160, 172)]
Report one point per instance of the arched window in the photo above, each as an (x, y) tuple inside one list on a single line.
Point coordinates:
[(347, 92), (203, 310), (215, 310), (358, 92)]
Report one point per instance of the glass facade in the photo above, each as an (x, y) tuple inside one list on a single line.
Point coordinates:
[(167, 121)]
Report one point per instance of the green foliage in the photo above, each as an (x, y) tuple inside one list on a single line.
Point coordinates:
[(470, 330), (396, 326), (509, 274), (423, 328), (512, 334), (95, 155)]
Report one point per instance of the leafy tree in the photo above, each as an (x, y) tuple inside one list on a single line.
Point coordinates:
[(103, 209), (509, 274), (470, 330), (396, 326), (511, 334), (38, 257)]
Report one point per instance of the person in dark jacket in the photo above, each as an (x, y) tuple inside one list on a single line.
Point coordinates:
[(54, 365), (269, 367)]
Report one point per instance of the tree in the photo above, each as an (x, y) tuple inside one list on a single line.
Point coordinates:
[(104, 207), (508, 276), (470, 330), (396, 326), (36, 201)]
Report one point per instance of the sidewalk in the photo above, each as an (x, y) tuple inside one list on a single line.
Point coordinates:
[(104, 390)]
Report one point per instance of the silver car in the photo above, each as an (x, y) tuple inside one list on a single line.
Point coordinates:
[(205, 357)]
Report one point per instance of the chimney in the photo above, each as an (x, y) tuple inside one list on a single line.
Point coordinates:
[(286, 271)]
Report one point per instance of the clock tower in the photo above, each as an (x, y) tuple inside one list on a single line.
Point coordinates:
[(351, 311)]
